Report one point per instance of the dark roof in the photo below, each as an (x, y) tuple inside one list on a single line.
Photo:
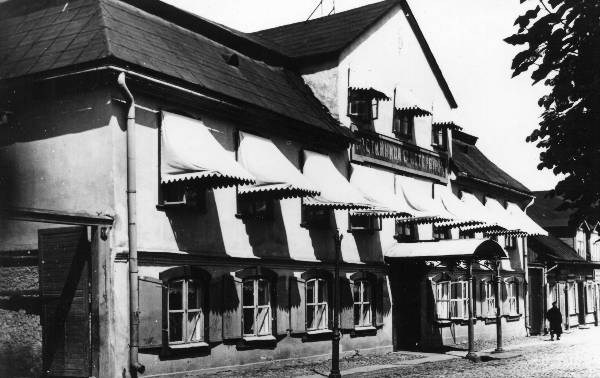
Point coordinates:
[(544, 211), (64, 34), (470, 162), (324, 38), (554, 249)]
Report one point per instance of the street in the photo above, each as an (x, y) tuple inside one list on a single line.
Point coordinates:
[(575, 355)]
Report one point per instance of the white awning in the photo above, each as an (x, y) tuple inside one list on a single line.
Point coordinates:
[(527, 224), (455, 248), (465, 212), (190, 152), (425, 208), (376, 189), (407, 101), (336, 191), (273, 172), (502, 216), (493, 214)]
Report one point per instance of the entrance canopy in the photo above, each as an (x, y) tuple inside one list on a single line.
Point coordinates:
[(190, 152), (274, 173), (336, 191), (477, 249)]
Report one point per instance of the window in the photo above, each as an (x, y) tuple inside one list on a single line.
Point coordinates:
[(512, 297), (314, 217), (590, 297), (364, 109), (362, 304), (510, 242), (364, 223), (403, 125), (572, 294), (255, 208), (256, 298), (438, 137), (184, 194), (488, 299), (185, 311), (466, 234), (316, 305), (452, 300), (441, 233), (405, 232)]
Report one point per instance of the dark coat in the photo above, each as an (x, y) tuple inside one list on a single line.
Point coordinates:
[(555, 319)]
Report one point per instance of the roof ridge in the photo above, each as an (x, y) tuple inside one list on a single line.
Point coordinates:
[(319, 19)]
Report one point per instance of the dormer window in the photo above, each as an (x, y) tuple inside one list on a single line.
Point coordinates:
[(363, 103), (439, 138), (403, 125)]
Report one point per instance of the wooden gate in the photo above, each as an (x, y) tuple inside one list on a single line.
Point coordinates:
[(64, 265)]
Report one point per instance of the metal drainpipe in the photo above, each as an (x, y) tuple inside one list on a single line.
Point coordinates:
[(134, 315), (526, 277)]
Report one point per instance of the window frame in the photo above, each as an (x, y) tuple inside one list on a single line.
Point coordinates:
[(488, 299), (412, 234), (374, 223), (573, 310), (590, 300), (512, 296), (361, 282), (311, 219), (364, 109), (185, 274), (183, 194), (510, 242), (461, 302), (247, 207), (319, 281), (257, 307), (403, 125), (270, 277), (441, 233), (439, 137)]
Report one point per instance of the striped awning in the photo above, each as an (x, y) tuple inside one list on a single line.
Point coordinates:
[(419, 196), (500, 220), (465, 212), (275, 175), (336, 190), (526, 224), (189, 151)]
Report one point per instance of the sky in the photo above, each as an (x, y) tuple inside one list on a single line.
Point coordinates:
[(466, 39)]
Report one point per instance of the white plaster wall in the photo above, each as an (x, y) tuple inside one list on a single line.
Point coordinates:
[(389, 56)]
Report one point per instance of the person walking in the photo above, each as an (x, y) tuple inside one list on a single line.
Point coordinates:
[(555, 319)]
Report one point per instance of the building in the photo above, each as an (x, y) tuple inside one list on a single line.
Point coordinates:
[(563, 265), (184, 191)]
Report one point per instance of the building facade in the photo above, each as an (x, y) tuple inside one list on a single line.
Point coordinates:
[(177, 194), (564, 264)]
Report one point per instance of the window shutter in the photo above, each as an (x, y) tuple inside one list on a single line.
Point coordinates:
[(505, 305), (346, 304), (215, 299), (282, 305), (379, 299), (232, 307), (150, 296), (297, 305)]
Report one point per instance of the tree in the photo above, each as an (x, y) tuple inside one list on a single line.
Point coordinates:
[(562, 49)]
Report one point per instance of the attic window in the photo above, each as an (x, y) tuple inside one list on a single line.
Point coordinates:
[(363, 103), (232, 59)]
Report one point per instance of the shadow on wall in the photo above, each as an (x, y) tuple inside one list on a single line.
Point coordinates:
[(322, 240), (369, 246), (198, 232), (268, 238)]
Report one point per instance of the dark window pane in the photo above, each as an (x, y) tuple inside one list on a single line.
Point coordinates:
[(175, 295), (310, 291), (248, 321), (175, 327), (310, 316), (322, 291), (356, 314), (263, 293), (365, 290), (357, 292), (194, 294), (248, 293)]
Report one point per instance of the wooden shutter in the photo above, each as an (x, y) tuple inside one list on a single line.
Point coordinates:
[(431, 299), (215, 310), (379, 300), (64, 278), (282, 304), (346, 304), (150, 297), (504, 297), (232, 307), (297, 305)]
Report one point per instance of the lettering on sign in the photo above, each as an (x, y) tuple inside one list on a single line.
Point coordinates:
[(395, 154)]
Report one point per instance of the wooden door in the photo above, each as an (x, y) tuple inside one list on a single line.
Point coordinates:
[(536, 300), (64, 267)]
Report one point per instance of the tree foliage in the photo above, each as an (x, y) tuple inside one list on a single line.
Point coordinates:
[(561, 40)]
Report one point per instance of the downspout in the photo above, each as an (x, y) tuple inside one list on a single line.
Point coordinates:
[(134, 315)]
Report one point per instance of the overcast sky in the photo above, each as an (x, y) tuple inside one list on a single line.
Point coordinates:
[(466, 39)]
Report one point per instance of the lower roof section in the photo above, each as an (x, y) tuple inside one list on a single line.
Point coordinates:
[(477, 249)]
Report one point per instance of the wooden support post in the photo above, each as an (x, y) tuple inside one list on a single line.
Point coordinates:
[(471, 355), (335, 341), (498, 299)]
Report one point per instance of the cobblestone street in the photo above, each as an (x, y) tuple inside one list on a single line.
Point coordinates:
[(575, 355)]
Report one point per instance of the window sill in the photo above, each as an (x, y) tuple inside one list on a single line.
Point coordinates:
[(513, 317), (250, 339), (363, 331), (448, 322), (317, 335), (250, 342), (188, 346)]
